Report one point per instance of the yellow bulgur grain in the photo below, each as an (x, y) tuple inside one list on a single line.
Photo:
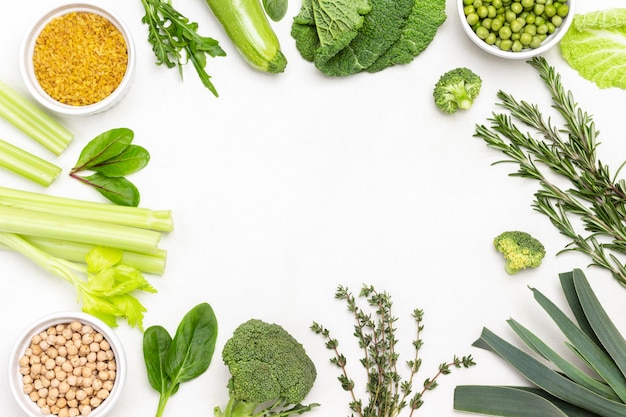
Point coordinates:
[(80, 58)]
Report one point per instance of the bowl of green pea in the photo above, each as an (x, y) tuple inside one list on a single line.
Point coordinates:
[(516, 29)]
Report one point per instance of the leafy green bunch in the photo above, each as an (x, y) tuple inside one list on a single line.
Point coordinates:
[(344, 37), (389, 392), (560, 387), (551, 155)]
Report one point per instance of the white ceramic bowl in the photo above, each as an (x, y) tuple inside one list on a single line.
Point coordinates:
[(552, 40), (28, 71), (23, 342)]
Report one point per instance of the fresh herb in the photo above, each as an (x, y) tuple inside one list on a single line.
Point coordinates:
[(594, 195), (246, 24), (388, 391), (562, 388), (27, 165), (112, 156), (33, 121), (175, 40), (170, 362), (105, 285), (595, 46)]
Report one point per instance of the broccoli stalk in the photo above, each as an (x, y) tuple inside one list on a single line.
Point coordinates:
[(520, 250), (271, 373), (457, 89)]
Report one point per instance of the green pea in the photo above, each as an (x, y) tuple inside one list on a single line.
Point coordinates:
[(517, 46), (551, 27), (496, 24), (497, 4), (466, 2), (530, 29), (491, 12), (486, 23), (562, 10), (515, 36), (557, 21), (469, 10), (535, 42), (510, 16), (542, 29), (550, 10), (527, 4), (517, 8), (482, 32), (478, 3), (504, 32), (506, 44), (472, 19), (538, 9), (491, 38), (516, 26), (526, 38), (530, 19), (482, 11)]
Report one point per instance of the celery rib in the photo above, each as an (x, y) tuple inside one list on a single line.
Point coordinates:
[(62, 227), (27, 164), (150, 263), (33, 121), (158, 220)]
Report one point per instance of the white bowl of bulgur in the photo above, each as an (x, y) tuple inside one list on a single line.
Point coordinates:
[(67, 364), (78, 59)]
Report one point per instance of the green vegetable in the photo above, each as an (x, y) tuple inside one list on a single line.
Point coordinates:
[(170, 362), (112, 156), (271, 373), (276, 9), (592, 199), (457, 89), (343, 38), (388, 391), (515, 26), (105, 285), (520, 250), (595, 46), (33, 121), (28, 165), (175, 40), (247, 27), (592, 386)]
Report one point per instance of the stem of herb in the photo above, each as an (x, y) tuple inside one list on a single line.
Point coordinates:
[(27, 164), (33, 121)]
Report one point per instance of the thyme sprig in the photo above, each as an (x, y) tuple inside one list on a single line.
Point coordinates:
[(592, 195), (388, 390)]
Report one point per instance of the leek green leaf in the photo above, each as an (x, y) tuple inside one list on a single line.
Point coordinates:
[(504, 401), (585, 347), (567, 284)]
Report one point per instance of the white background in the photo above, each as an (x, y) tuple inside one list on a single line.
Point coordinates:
[(289, 185)]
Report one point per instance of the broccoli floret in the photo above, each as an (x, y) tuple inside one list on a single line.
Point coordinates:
[(457, 89), (270, 372), (520, 250)]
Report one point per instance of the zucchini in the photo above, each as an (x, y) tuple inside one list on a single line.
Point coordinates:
[(247, 26)]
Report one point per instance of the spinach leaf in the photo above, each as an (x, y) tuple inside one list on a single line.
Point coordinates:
[(170, 362)]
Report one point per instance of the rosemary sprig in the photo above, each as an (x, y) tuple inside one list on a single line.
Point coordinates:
[(591, 194), (175, 40), (389, 392)]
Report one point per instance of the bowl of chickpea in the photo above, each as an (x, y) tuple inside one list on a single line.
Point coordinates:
[(67, 364), (516, 29)]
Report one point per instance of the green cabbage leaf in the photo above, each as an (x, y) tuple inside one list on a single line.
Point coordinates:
[(595, 46)]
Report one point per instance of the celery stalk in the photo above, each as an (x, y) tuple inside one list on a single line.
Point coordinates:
[(33, 121), (160, 220), (64, 227), (150, 263), (27, 165)]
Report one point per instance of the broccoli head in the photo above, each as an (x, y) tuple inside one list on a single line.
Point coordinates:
[(270, 372), (457, 89), (520, 250)]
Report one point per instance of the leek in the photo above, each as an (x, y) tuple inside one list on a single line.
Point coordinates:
[(158, 220), (27, 165), (33, 121)]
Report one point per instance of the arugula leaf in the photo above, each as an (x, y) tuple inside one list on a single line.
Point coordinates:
[(170, 362), (175, 40)]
